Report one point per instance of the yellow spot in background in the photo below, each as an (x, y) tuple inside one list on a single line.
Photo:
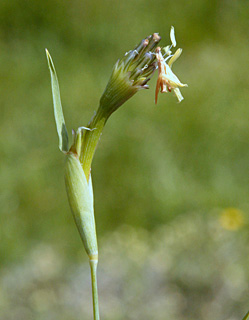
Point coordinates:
[(232, 219)]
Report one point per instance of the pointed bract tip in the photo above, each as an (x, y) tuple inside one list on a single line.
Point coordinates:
[(50, 61)]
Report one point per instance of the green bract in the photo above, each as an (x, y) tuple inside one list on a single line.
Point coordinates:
[(80, 197)]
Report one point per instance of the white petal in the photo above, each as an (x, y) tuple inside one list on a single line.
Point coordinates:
[(172, 78), (175, 56), (178, 94), (172, 36)]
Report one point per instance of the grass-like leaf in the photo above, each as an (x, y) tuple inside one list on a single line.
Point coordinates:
[(246, 316), (58, 113)]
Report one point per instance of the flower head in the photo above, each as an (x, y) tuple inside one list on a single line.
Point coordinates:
[(130, 74), (167, 80)]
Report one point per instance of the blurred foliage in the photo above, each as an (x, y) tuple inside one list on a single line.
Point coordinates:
[(154, 165), (182, 270)]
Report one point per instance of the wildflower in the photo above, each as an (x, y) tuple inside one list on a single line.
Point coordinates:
[(167, 80), (130, 74), (232, 219)]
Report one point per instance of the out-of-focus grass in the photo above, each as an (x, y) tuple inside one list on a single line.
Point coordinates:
[(182, 270), (153, 164)]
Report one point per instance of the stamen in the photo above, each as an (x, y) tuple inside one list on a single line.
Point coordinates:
[(167, 50), (172, 36), (166, 59)]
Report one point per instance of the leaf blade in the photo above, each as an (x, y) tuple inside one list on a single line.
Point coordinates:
[(58, 112)]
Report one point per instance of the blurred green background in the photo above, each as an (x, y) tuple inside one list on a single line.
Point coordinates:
[(171, 181)]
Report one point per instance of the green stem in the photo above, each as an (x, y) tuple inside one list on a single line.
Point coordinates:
[(91, 138), (93, 265)]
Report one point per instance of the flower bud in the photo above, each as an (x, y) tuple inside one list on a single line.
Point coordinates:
[(80, 197), (130, 74)]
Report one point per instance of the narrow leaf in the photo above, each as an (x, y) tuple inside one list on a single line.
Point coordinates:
[(246, 316), (58, 113)]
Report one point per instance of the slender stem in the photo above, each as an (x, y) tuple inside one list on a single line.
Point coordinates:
[(93, 265), (91, 139)]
